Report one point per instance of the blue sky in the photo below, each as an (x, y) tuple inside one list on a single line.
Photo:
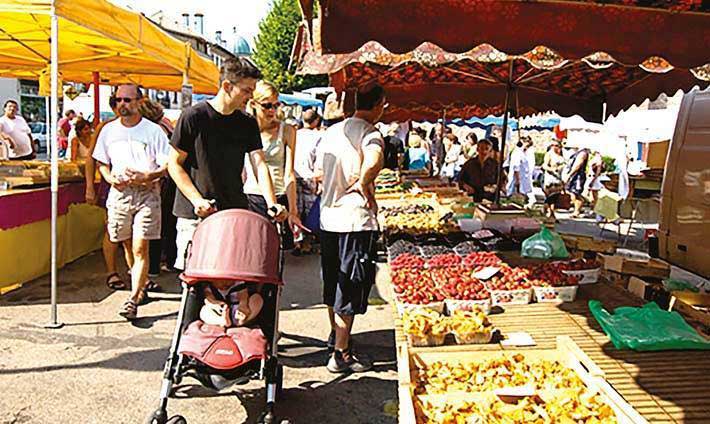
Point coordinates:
[(219, 14)]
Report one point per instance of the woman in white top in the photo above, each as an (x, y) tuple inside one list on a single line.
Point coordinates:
[(79, 140), (279, 141), (452, 151)]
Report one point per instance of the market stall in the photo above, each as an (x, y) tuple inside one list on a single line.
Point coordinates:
[(487, 331), (25, 231), (96, 37)]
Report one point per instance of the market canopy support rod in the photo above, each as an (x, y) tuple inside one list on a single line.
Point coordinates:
[(54, 321), (504, 134)]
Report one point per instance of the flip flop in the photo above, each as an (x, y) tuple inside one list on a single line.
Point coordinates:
[(129, 310), (115, 282), (152, 286)]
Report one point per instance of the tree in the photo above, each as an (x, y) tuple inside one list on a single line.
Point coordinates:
[(274, 43)]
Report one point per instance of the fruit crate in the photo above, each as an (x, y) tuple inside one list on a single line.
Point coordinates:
[(434, 306), (411, 361), (467, 305), (555, 294), (510, 297), (586, 276)]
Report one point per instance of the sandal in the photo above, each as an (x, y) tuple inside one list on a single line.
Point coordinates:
[(115, 282), (129, 310), (153, 286), (143, 298)]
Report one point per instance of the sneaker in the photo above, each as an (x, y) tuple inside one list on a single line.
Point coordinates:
[(337, 363), (358, 363), (331, 341), (341, 362)]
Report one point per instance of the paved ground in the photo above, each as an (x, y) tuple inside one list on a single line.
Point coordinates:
[(101, 369)]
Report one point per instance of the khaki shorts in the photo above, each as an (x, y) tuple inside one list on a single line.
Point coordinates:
[(185, 230), (133, 214)]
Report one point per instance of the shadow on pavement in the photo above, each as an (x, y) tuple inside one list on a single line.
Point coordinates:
[(345, 400), (307, 352), (144, 360)]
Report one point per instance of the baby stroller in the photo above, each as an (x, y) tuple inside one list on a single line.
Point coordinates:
[(235, 245)]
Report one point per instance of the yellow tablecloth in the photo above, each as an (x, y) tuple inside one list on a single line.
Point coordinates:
[(25, 250)]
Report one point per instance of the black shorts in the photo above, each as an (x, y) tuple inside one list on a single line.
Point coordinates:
[(348, 264), (576, 183), (257, 204)]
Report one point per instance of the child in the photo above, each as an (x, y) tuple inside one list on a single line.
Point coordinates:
[(228, 303)]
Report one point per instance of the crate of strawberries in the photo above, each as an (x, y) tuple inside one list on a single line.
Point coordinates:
[(551, 284), (415, 288), (587, 270), (463, 291), (509, 286)]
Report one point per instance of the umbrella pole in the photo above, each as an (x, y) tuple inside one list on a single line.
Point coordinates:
[(97, 107), (54, 321), (502, 146), (48, 139)]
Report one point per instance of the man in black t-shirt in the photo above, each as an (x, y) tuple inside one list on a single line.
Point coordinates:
[(209, 145), (394, 150)]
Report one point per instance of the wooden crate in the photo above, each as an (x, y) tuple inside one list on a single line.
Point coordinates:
[(640, 268), (566, 351), (588, 244), (485, 213)]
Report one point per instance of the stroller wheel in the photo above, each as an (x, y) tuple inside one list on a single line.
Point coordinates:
[(177, 419), (267, 418), (159, 416)]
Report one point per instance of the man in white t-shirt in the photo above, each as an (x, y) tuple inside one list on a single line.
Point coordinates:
[(132, 153), (16, 133), (306, 140), (350, 156)]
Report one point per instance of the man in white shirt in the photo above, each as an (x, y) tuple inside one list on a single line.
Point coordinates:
[(520, 172), (132, 153), (349, 159), (306, 140), (16, 133)]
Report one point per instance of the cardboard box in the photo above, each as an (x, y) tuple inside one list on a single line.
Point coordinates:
[(616, 278), (640, 268), (654, 154), (640, 287)]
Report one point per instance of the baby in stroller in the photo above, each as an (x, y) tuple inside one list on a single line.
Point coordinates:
[(230, 304)]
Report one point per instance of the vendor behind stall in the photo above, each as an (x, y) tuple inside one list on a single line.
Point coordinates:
[(16, 133), (479, 174)]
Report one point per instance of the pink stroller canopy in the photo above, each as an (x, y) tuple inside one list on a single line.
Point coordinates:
[(235, 245)]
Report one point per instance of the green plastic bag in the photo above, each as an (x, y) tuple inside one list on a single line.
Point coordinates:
[(647, 328), (544, 244), (670, 285)]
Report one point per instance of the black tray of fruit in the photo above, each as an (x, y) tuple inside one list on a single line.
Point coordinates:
[(466, 247), (400, 247), (430, 250)]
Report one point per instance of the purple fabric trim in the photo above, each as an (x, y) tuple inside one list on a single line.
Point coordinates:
[(25, 208)]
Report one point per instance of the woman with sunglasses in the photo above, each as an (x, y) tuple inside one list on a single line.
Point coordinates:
[(279, 141)]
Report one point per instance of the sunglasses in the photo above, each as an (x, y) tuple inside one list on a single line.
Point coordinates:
[(124, 99), (269, 106)]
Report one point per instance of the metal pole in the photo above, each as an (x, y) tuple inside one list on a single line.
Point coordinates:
[(48, 137), (97, 107), (54, 322), (502, 145)]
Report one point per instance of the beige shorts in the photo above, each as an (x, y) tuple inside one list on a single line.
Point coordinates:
[(133, 214), (185, 230)]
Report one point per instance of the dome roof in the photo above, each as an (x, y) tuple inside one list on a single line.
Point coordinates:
[(241, 47)]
